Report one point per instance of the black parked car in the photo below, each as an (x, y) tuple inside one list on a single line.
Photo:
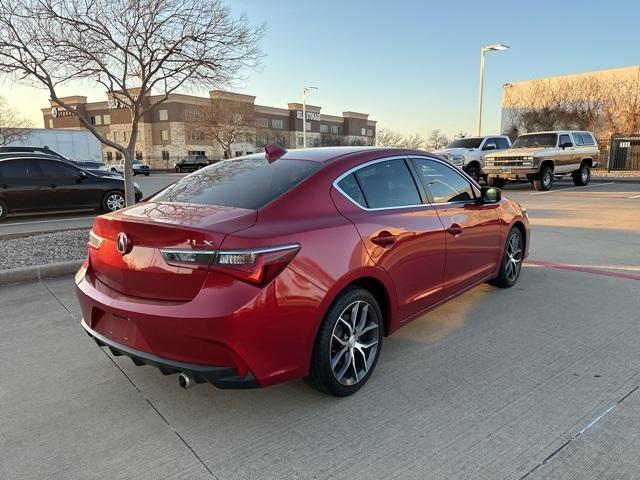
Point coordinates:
[(90, 165), (40, 183), (191, 163)]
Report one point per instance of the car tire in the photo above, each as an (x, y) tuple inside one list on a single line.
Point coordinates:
[(146, 174), (474, 173), (582, 176), (4, 210), (544, 180), (346, 352), (178, 170), (113, 200), (496, 182), (511, 261)]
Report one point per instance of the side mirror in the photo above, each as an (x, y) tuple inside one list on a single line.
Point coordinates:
[(490, 194), (490, 146), (566, 145), (81, 175)]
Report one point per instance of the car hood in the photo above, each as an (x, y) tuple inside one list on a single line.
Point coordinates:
[(518, 152)]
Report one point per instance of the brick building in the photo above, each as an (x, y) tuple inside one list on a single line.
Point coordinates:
[(175, 128)]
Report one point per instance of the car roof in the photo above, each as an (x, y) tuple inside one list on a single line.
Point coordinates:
[(556, 131), (329, 154)]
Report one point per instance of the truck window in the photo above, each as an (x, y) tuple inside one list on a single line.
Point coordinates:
[(578, 139), (501, 143)]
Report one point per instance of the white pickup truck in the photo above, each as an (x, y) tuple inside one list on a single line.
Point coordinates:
[(469, 153)]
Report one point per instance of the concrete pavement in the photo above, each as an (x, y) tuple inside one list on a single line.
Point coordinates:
[(539, 381)]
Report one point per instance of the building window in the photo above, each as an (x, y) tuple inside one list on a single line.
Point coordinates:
[(138, 155), (96, 120), (106, 119), (334, 129), (262, 122), (277, 123), (164, 135), (118, 156), (124, 136), (363, 131), (238, 154), (260, 140), (109, 157), (163, 115), (51, 123), (197, 153), (369, 132), (165, 155), (307, 126), (301, 141), (190, 114), (197, 136), (324, 128)]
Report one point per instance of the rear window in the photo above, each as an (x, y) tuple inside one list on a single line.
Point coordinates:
[(587, 138), (242, 183)]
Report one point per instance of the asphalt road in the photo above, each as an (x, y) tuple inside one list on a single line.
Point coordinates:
[(538, 382), (32, 223)]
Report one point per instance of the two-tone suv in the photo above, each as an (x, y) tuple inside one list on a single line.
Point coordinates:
[(541, 157), (469, 153)]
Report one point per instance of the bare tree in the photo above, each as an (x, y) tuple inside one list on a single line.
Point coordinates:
[(140, 51), (415, 141), (224, 121), (13, 127), (389, 138), (621, 110), (437, 140)]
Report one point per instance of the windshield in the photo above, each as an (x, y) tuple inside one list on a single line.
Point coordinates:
[(536, 140), (245, 183), (466, 143)]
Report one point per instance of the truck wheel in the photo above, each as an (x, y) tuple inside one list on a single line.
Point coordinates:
[(496, 182), (348, 344), (582, 176), (3, 210), (511, 262), (474, 173), (544, 180)]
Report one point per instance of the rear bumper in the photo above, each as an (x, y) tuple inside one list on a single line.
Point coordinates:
[(221, 377)]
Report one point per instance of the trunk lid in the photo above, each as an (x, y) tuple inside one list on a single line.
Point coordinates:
[(151, 226)]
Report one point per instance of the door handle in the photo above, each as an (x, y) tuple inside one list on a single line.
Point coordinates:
[(52, 185), (4, 185), (455, 230), (384, 239)]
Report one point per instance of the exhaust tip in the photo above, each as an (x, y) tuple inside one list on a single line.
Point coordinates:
[(185, 381)]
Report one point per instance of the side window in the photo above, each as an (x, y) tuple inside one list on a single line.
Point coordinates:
[(578, 139), (388, 184), (587, 138), (564, 139), (490, 144), (18, 172), (443, 182), (502, 143), (53, 169), (349, 185)]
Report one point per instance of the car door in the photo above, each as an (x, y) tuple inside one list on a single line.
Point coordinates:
[(566, 158), (472, 228), (401, 231), (66, 186), (20, 185)]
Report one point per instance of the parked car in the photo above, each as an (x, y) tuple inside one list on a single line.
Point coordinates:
[(295, 264), (539, 157), (139, 168), (191, 163), (469, 153), (101, 172), (92, 165), (41, 183)]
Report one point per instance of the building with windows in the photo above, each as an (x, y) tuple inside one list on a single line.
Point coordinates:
[(221, 125)]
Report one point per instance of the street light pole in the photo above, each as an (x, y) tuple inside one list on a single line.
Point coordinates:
[(483, 51), (305, 90)]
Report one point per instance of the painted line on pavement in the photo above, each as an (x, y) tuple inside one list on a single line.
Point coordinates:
[(582, 269), (573, 188), (635, 196)]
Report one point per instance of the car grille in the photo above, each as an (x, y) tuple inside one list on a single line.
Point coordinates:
[(508, 161)]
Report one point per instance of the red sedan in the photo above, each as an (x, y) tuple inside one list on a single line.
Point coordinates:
[(288, 265)]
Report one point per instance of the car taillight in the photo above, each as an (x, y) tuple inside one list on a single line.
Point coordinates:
[(256, 266)]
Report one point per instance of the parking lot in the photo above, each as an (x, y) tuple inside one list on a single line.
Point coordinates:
[(538, 381)]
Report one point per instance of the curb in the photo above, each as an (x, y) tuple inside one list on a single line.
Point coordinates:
[(37, 272), (616, 179), (10, 236)]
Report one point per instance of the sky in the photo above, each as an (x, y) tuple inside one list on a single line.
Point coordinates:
[(413, 65)]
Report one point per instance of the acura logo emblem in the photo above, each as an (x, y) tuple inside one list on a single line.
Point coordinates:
[(123, 244)]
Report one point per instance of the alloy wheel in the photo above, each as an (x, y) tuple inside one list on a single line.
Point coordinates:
[(114, 202), (546, 179), (584, 173), (354, 342), (513, 257)]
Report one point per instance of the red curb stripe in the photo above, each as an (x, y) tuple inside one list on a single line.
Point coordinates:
[(578, 268)]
